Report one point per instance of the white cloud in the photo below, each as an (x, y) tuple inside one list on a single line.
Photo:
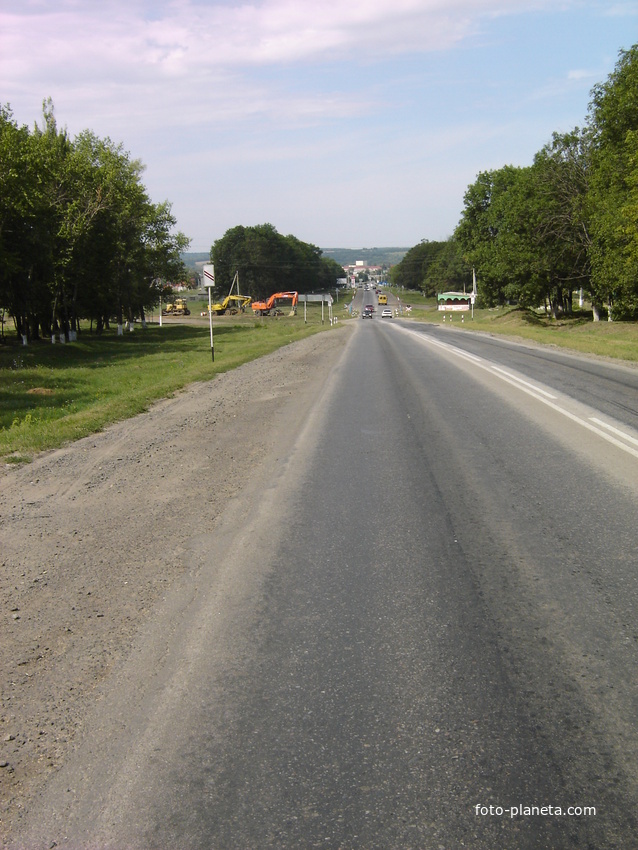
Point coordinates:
[(621, 10), (110, 60), (582, 74), (294, 102), (184, 35)]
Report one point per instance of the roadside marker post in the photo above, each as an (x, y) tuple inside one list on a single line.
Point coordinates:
[(209, 283)]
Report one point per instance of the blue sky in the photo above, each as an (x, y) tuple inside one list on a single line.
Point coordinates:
[(348, 123)]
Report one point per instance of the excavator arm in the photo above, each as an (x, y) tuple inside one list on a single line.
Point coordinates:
[(264, 307)]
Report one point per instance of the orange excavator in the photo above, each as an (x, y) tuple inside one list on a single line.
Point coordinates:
[(263, 308)]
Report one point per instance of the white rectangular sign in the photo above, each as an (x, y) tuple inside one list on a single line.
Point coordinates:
[(311, 296)]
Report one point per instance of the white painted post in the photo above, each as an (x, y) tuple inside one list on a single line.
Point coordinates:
[(209, 280)]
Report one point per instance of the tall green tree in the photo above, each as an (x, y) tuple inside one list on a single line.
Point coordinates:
[(18, 219), (39, 159), (269, 262), (329, 273), (79, 235), (448, 271), (256, 253), (570, 220), (486, 232), (562, 172), (413, 272), (522, 230), (613, 123)]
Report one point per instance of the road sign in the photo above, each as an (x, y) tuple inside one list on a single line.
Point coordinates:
[(209, 275)]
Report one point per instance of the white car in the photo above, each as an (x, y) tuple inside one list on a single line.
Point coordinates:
[(386, 314)]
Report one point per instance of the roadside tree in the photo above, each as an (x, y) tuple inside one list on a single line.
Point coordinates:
[(413, 272), (268, 262), (613, 195)]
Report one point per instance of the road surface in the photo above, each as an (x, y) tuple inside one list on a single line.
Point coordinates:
[(420, 632)]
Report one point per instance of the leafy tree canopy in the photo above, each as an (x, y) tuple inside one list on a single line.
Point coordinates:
[(79, 236), (268, 262), (569, 220)]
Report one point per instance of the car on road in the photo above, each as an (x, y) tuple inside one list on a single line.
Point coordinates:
[(368, 310), (386, 314)]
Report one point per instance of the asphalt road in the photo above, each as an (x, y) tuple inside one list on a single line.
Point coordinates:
[(425, 624), (608, 387)]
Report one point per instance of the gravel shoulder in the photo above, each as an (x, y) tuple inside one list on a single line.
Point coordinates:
[(94, 534)]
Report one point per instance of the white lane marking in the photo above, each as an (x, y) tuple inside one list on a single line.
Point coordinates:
[(464, 354), (539, 394), (614, 430), (521, 381)]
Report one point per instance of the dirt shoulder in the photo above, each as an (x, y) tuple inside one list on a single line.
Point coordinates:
[(92, 535)]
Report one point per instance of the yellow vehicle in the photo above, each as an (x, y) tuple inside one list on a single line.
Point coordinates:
[(383, 298), (176, 308), (231, 304)]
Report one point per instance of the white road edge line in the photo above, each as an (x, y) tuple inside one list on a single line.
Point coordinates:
[(521, 381), (539, 394), (615, 430)]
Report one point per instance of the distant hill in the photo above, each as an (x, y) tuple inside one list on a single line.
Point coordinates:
[(194, 260), (343, 256), (369, 256)]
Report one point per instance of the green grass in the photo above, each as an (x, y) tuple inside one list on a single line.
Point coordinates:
[(578, 333), (413, 297), (53, 394)]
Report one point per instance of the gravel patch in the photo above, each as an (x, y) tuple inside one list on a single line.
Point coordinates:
[(92, 536)]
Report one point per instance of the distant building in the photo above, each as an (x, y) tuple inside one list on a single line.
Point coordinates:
[(359, 267), (372, 273)]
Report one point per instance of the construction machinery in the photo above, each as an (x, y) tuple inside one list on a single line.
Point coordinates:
[(263, 308), (176, 308), (232, 303)]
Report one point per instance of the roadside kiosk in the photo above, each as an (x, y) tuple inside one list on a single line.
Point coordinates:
[(454, 301)]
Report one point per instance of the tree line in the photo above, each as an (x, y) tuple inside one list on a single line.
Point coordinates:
[(569, 221), (79, 235), (268, 262)]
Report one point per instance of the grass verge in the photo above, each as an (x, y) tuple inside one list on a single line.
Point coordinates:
[(578, 333), (53, 394)]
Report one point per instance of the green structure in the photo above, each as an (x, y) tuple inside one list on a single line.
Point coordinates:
[(454, 301)]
